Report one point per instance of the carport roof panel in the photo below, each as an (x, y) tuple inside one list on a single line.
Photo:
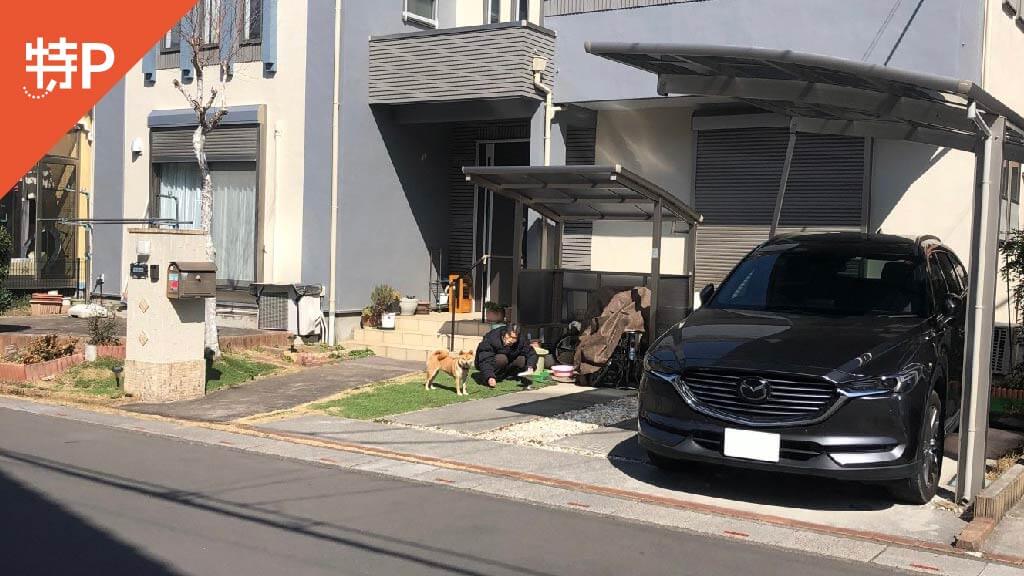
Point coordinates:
[(581, 193), (833, 94)]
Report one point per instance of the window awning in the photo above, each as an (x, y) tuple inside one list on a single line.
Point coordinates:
[(582, 193), (824, 94)]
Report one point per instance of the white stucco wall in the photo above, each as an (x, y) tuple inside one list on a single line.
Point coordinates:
[(281, 172), (656, 143), (1002, 77)]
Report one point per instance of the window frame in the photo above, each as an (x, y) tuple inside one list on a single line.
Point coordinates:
[(244, 34), (167, 46), (519, 7), (412, 17)]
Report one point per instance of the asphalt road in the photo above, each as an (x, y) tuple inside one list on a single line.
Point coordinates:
[(77, 498)]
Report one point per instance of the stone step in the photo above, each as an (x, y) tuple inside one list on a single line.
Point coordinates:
[(404, 338)]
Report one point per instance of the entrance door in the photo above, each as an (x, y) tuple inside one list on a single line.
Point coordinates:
[(494, 217)]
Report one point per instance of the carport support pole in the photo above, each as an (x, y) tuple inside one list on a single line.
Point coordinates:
[(517, 259), (783, 182), (655, 271), (980, 310)]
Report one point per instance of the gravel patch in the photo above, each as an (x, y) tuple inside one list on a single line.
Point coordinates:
[(543, 431)]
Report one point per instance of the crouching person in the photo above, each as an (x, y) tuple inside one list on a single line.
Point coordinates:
[(503, 353)]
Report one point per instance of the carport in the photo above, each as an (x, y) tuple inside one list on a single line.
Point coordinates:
[(566, 194), (828, 95)]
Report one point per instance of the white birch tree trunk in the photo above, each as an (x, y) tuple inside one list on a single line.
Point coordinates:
[(206, 223)]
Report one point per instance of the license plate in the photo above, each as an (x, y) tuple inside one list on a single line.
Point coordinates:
[(752, 445)]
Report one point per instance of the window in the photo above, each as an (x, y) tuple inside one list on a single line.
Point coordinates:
[(210, 20), (824, 280), (949, 274), (523, 11), (1009, 205), (252, 21), (172, 40), (421, 12), (494, 11)]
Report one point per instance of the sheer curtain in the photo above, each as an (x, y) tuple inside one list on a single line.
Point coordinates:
[(234, 212), (234, 221)]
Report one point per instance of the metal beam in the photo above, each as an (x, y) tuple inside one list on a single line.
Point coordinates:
[(888, 131), (867, 102), (517, 259), (783, 182), (980, 314)]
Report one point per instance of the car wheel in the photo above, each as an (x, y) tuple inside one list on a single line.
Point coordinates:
[(921, 487), (663, 462)]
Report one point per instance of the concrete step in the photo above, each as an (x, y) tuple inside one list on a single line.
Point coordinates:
[(438, 324), (404, 338), (393, 351)]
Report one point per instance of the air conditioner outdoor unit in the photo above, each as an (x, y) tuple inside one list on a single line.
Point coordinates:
[(1002, 360), (290, 307)]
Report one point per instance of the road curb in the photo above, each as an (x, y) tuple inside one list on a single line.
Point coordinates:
[(897, 552), (989, 508)]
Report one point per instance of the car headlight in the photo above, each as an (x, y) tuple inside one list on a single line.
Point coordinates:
[(902, 381)]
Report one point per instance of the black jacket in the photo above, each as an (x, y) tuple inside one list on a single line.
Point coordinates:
[(493, 345)]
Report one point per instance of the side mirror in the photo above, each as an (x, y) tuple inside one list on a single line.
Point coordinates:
[(706, 293), (952, 304)]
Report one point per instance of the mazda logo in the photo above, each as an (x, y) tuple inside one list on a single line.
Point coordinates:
[(754, 390)]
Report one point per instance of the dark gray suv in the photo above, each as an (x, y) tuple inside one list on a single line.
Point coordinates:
[(833, 354)]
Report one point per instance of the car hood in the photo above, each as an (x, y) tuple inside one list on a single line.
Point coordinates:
[(819, 345)]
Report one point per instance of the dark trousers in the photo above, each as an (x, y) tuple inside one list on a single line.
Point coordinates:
[(503, 369)]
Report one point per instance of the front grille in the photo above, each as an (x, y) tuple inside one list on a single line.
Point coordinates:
[(789, 398)]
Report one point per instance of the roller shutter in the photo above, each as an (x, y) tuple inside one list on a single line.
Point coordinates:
[(223, 144), (737, 180), (579, 150)]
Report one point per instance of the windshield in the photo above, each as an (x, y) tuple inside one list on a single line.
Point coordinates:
[(826, 280)]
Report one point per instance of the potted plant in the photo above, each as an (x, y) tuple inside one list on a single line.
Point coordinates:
[(384, 303), (494, 312), (102, 332), (407, 305)]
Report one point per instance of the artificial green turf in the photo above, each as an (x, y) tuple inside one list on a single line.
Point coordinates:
[(1006, 406), (233, 370), (389, 398)]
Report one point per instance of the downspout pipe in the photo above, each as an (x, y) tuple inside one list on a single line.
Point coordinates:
[(336, 104), (549, 112)]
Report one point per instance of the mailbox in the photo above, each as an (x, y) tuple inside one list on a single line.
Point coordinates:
[(191, 280)]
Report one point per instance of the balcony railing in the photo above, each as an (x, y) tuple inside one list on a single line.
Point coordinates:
[(57, 274)]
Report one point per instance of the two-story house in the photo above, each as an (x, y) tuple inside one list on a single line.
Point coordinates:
[(340, 161)]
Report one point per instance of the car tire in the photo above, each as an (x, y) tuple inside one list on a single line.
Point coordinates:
[(663, 462), (922, 486)]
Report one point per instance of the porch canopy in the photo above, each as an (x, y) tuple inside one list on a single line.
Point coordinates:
[(829, 95), (585, 194)]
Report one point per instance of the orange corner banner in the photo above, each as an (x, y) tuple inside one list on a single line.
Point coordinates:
[(59, 58)]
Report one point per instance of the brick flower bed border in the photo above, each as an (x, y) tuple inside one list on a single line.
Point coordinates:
[(249, 341), (28, 372)]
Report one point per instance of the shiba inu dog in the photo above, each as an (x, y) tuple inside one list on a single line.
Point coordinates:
[(458, 365)]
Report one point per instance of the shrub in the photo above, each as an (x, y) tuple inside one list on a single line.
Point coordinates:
[(103, 331), (384, 299), (6, 246), (46, 348)]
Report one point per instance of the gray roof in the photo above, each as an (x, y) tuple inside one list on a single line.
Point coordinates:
[(582, 193), (825, 94)]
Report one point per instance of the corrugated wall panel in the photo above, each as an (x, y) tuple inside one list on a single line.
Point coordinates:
[(576, 244), (737, 181), (483, 62), (223, 144)]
